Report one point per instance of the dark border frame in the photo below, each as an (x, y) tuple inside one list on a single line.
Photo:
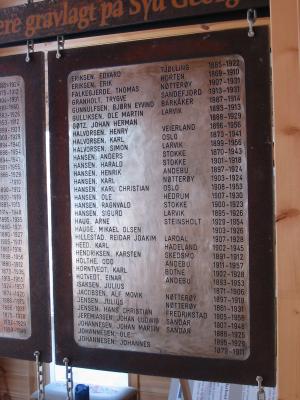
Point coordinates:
[(33, 75), (255, 52)]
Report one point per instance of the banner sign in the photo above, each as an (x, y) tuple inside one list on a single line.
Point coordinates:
[(45, 20)]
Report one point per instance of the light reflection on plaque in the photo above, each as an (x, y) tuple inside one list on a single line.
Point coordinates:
[(15, 319), (159, 208)]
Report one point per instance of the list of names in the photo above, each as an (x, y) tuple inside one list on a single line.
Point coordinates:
[(159, 208)]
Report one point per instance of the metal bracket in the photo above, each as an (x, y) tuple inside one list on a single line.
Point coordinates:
[(39, 376), (30, 50), (261, 395), (60, 46), (69, 379), (251, 18)]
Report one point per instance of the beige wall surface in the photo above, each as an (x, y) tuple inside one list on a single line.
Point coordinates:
[(286, 93)]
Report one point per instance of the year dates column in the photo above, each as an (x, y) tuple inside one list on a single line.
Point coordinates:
[(14, 264), (229, 200)]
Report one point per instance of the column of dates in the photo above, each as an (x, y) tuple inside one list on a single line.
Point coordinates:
[(229, 206), (14, 288)]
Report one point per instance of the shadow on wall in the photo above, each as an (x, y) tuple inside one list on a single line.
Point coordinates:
[(4, 395)]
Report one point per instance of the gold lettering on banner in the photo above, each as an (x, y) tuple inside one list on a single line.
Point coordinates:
[(100, 13)]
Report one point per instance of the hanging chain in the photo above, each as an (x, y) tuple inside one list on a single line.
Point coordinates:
[(261, 395), (39, 376), (60, 46), (30, 50), (30, 44), (69, 379), (251, 18)]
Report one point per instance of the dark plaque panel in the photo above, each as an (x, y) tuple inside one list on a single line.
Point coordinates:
[(24, 292), (161, 159)]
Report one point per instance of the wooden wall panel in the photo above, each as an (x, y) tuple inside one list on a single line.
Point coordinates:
[(11, 3), (17, 379), (153, 388), (286, 87), (150, 387)]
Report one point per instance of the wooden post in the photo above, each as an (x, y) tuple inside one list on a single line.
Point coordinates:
[(286, 90), (186, 389)]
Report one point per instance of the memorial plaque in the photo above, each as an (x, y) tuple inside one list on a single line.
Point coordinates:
[(166, 176), (159, 209), (24, 291), (15, 321)]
